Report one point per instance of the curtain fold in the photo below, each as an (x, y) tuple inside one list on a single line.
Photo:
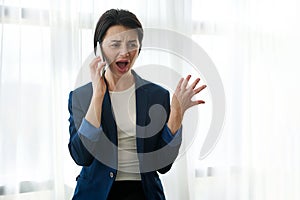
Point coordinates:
[(39, 56), (45, 51), (254, 49), (44, 47)]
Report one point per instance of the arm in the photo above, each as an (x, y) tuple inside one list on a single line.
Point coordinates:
[(172, 132), (93, 114), (76, 148), (169, 143), (89, 127)]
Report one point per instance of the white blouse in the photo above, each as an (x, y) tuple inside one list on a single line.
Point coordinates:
[(124, 109)]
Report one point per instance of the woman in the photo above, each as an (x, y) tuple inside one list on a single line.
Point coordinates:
[(123, 129)]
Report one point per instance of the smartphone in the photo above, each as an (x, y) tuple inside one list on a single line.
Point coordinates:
[(99, 53)]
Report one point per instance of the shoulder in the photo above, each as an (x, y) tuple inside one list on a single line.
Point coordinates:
[(156, 89), (85, 89), (149, 86), (83, 92)]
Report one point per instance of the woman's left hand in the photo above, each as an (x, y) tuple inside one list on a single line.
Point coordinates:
[(182, 100)]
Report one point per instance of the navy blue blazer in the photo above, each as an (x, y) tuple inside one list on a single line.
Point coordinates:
[(96, 150)]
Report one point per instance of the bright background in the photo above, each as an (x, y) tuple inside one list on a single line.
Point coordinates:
[(254, 44)]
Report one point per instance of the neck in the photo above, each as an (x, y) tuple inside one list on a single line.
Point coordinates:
[(119, 83)]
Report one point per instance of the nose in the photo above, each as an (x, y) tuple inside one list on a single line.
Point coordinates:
[(124, 51)]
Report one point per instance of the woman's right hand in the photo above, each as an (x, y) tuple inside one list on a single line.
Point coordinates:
[(99, 86), (93, 114)]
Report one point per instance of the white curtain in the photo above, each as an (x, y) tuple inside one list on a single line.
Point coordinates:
[(40, 56), (43, 47), (255, 46)]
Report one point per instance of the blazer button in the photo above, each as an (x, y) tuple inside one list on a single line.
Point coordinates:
[(111, 175)]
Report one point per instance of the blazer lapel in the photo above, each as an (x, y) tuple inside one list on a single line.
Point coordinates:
[(108, 121), (141, 111)]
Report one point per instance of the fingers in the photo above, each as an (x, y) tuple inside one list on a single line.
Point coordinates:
[(185, 82), (195, 83), (183, 95), (199, 89), (95, 62), (197, 102), (196, 91), (182, 85), (179, 84), (96, 66)]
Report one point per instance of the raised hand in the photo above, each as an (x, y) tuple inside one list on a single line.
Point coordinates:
[(93, 114), (99, 86), (182, 100)]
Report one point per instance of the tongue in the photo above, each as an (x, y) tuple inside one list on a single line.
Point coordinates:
[(121, 64)]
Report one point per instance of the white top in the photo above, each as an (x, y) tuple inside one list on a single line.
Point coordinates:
[(124, 109)]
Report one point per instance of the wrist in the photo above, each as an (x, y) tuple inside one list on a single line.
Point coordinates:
[(174, 121), (93, 114), (97, 98)]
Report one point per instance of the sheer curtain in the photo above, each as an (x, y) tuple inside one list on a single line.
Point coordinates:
[(40, 55), (43, 47), (254, 45)]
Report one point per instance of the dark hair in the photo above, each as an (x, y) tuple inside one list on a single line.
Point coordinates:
[(117, 17)]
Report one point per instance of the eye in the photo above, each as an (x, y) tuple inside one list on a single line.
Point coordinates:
[(115, 45), (132, 45)]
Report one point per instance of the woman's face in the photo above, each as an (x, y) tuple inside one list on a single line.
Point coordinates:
[(120, 47)]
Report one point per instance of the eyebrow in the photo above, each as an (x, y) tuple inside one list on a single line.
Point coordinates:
[(121, 41), (115, 41)]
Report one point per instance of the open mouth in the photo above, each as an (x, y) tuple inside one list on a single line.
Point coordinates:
[(122, 65)]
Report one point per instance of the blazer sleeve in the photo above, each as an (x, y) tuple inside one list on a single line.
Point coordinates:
[(78, 152)]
